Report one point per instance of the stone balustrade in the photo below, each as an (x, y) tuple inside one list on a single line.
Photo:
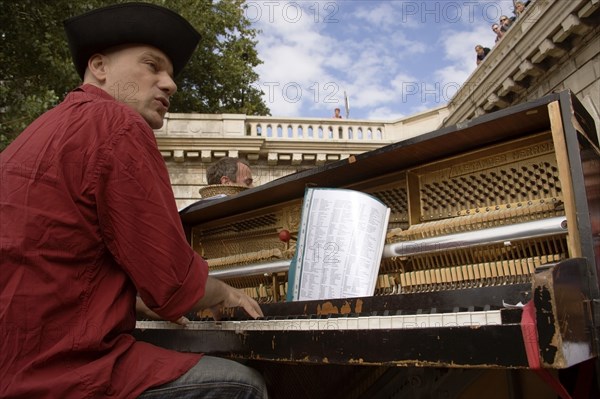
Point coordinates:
[(203, 137), (315, 129)]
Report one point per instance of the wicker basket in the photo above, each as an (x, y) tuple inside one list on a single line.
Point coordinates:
[(218, 189)]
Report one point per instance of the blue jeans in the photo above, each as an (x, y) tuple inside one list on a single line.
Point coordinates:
[(212, 378)]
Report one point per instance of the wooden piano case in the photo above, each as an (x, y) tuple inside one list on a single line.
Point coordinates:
[(533, 162)]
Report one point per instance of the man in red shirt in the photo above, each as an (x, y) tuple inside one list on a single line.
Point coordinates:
[(88, 220)]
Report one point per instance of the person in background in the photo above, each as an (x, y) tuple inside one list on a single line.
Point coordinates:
[(520, 8), (337, 114), (230, 171), (498, 32), (481, 53), (88, 222), (505, 23)]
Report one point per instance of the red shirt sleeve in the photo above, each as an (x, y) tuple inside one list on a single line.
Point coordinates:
[(140, 224)]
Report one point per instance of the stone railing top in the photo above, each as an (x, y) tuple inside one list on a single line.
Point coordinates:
[(199, 126)]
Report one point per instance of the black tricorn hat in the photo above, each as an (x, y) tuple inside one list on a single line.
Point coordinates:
[(131, 23)]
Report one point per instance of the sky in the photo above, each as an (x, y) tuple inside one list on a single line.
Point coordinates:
[(391, 58)]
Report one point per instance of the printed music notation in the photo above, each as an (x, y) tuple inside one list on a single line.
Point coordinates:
[(340, 243)]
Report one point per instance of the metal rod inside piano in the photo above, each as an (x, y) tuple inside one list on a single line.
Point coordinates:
[(504, 234), (494, 235)]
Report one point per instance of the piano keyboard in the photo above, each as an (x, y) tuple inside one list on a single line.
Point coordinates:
[(394, 322)]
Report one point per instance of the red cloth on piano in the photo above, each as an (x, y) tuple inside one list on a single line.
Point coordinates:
[(87, 218)]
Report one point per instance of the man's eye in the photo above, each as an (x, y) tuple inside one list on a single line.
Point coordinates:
[(152, 65)]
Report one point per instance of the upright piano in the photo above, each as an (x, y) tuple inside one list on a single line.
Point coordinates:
[(491, 262)]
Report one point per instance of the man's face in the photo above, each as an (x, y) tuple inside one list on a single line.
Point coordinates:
[(244, 175), (141, 76), (479, 50)]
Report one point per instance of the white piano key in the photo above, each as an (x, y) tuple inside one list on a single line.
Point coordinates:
[(493, 317), (423, 320), (463, 319), (352, 323), (385, 322), (410, 321), (363, 323), (449, 319), (435, 320), (478, 319), (374, 322), (397, 321)]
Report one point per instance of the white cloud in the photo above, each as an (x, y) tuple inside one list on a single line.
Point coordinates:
[(384, 114), (459, 53), (379, 52), (294, 53), (381, 14)]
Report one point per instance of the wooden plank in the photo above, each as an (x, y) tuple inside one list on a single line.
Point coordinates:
[(564, 175)]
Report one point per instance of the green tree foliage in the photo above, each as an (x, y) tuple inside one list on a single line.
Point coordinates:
[(36, 71)]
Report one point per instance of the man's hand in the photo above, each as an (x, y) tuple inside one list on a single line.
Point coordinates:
[(237, 299), (219, 295)]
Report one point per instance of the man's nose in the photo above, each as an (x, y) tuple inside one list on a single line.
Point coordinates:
[(167, 84)]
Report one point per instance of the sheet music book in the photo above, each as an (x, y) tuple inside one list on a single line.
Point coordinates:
[(339, 247)]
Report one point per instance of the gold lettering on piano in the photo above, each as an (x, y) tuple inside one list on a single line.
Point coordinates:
[(480, 164), (534, 150)]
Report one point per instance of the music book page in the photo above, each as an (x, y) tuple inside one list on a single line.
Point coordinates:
[(340, 243)]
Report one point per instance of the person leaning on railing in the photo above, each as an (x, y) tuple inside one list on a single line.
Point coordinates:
[(482, 52)]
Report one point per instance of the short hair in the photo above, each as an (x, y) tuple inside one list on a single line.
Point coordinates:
[(225, 166)]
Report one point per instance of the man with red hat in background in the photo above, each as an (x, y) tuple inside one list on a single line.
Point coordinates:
[(88, 221)]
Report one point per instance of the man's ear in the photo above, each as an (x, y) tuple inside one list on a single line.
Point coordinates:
[(225, 180), (97, 67)]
